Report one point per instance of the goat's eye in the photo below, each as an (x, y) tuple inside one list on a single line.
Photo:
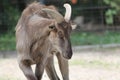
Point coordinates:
[(52, 27), (60, 34)]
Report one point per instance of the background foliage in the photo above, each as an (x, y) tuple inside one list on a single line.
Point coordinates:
[(9, 16), (92, 10), (113, 11)]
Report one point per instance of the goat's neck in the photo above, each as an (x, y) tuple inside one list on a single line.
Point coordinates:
[(40, 45)]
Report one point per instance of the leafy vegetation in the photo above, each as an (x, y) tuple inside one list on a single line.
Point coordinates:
[(87, 38), (7, 41), (114, 10), (11, 12), (8, 16)]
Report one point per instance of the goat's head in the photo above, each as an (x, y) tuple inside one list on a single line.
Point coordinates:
[(60, 32)]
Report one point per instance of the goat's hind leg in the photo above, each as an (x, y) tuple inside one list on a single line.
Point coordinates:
[(27, 70)]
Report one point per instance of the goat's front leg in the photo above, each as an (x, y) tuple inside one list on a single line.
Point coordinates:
[(50, 69), (27, 70), (63, 64), (40, 67), (39, 71)]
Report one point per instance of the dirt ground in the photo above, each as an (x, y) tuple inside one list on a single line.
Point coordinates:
[(84, 65)]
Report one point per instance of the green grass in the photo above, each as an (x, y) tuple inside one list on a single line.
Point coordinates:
[(95, 64), (87, 38), (7, 41), (5, 77)]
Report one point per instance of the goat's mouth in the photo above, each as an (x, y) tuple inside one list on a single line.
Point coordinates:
[(68, 55)]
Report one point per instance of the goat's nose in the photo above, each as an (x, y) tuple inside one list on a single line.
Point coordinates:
[(69, 54)]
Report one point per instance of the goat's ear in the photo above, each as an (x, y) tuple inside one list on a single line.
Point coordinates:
[(73, 26)]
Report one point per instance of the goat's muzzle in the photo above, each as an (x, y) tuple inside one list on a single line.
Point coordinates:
[(68, 54)]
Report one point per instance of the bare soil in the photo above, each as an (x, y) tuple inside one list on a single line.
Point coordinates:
[(96, 65)]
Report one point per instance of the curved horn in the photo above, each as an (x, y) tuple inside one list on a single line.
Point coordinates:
[(54, 14), (68, 12)]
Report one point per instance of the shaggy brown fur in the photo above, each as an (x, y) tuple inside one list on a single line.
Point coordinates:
[(38, 37)]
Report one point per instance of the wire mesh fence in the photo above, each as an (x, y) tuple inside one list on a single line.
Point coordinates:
[(89, 15)]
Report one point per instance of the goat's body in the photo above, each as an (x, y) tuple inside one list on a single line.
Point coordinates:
[(31, 37), (33, 44)]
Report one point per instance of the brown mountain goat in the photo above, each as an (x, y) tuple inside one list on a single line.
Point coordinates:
[(42, 32)]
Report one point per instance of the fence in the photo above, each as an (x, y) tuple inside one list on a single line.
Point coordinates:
[(88, 18)]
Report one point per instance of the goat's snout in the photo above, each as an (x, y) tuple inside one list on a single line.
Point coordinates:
[(68, 54)]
